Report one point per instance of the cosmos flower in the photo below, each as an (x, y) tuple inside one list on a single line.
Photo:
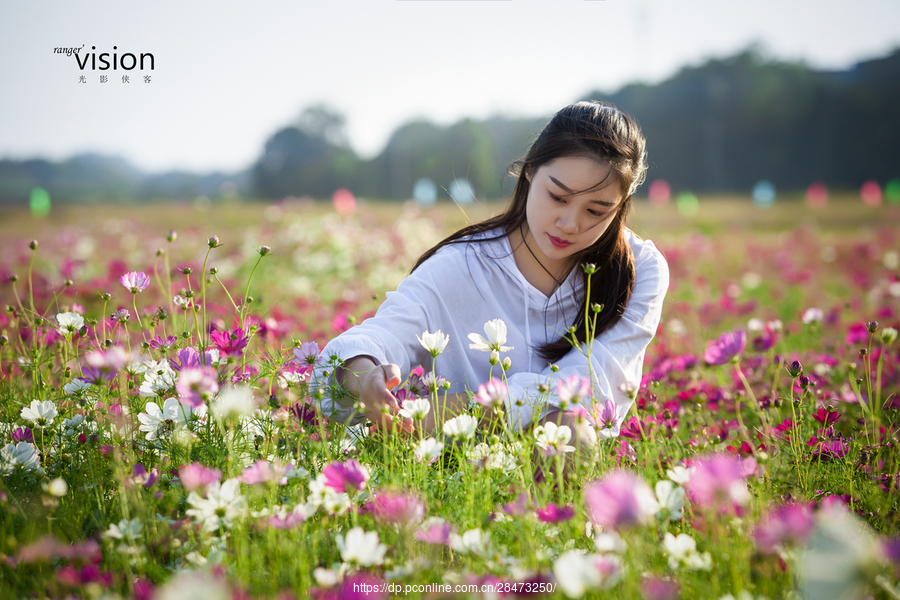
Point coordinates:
[(726, 349), (553, 439), (718, 482), (398, 508), (492, 394), (496, 337), (428, 450), (621, 499), (574, 389), (434, 343), (361, 548), (196, 476), (461, 427), (69, 323), (415, 409), (39, 413), (135, 281), (346, 477)]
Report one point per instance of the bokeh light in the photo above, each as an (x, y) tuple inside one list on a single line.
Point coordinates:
[(817, 194), (461, 191), (425, 192), (344, 202), (870, 192), (764, 193), (39, 202), (892, 191), (660, 192), (687, 203)]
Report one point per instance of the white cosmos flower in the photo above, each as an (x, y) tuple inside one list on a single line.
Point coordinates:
[(680, 474), (75, 386), (609, 541), (172, 416), (222, 505), (361, 548), (159, 377), (428, 449), (578, 572), (39, 413), (670, 498), (233, 401), (474, 541), (553, 439), (682, 550), (415, 409), (23, 453), (812, 315), (434, 342), (69, 323), (461, 427), (496, 337), (124, 530)]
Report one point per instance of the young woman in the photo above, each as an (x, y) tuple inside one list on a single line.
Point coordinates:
[(527, 268)]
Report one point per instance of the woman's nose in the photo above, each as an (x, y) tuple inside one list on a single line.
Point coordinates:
[(567, 222)]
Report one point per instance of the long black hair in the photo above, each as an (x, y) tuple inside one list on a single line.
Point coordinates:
[(602, 132)]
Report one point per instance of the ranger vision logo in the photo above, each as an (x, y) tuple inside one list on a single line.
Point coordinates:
[(109, 61)]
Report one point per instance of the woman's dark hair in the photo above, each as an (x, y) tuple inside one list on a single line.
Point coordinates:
[(600, 131)]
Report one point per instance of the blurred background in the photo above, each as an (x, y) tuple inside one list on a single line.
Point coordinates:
[(398, 100)]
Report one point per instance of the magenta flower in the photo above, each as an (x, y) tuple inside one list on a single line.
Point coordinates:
[(140, 476), (657, 588), (262, 471), (826, 417), (291, 520), (196, 476), (727, 348), (230, 343), (517, 507), (22, 434), (555, 514), (718, 482), (157, 343), (196, 385), (190, 358), (891, 548), (347, 477), (492, 394), (135, 281), (435, 531), (789, 524), (621, 499), (402, 509)]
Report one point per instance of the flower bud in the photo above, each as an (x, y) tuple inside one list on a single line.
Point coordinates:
[(185, 334), (863, 351), (597, 307), (804, 382), (888, 335), (13, 278), (104, 295), (589, 268), (872, 326), (3, 340), (162, 314), (795, 369), (33, 244), (213, 270), (507, 364), (186, 271), (160, 251), (554, 368), (249, 300), (69, 283), (264, 250), (495, 358), (213, 241), (173, 235)]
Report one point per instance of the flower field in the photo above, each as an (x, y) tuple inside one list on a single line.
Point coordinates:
[(159, 435)]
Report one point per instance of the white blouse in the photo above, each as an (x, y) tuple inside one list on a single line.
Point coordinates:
[(465, 285)]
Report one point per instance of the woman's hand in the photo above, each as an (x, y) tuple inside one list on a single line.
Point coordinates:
[(371, 384)]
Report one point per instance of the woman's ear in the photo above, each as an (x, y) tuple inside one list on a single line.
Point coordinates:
[(528, 174)]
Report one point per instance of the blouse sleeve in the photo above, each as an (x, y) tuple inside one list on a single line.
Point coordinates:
[(391, 336), (616, 355)]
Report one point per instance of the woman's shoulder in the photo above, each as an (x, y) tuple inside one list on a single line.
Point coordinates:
[(649, 263)]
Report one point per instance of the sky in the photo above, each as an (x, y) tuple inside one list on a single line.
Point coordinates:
[(227, 75)]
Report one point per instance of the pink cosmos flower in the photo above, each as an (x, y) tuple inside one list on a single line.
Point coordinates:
[(891, 548), (23, 434), (135, 281), (157, 343), (573, 389), (607, 418), (262, 471), (517, 507), (196, 476), (77, 577), (621, 499), (308, 354), (190, 357), (230, 343), (727, 348), (718, 482), (290, 521), (394, 507), (492, 394), (555, 514), (658, 588), (789, 524), (826, 417), (435, 531), (196, 385), (347, 477)]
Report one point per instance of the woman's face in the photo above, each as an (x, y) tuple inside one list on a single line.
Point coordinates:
[(563, 219)]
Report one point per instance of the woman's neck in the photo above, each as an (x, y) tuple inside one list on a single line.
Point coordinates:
[(544, 274)]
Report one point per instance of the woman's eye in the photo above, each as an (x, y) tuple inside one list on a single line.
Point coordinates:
[(594, 213), (556, 198)]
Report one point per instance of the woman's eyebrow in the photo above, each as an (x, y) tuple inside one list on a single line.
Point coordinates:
[(568, 190)]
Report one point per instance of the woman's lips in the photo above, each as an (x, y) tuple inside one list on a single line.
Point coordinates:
[(558, 242)]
